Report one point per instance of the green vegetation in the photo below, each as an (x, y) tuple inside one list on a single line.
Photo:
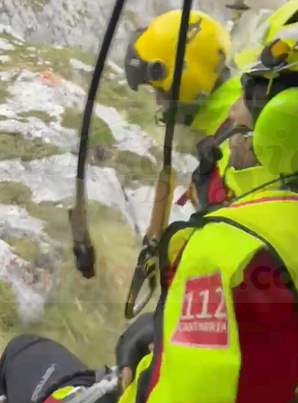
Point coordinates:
[(37, 5), (132, 167), (84, 315), (10, 38), (25, 248), (59, 59), (14, 193), (45, 57), (72, 118), (42, 115), (8, 307), (138, 106), (19, 58), (87, 316), (14, 145), (56, 219), (4, 94), (140, 109), (100, 132), (9, 318)]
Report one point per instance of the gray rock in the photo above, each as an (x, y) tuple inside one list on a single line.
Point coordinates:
[(81, 22)]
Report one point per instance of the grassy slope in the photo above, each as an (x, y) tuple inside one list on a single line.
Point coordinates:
[(82, 314), (86, 316)]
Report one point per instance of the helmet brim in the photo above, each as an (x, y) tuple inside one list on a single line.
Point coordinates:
[(134, 68)]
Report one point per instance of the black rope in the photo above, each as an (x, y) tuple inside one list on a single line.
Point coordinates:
[(94, 86), (82, 245), (175, 90)]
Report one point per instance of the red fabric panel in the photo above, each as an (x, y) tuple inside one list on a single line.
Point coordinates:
[(156, 370), (183, 199), (268, 332), (217, 191), (51, 400), (266, 313), (171, 270)]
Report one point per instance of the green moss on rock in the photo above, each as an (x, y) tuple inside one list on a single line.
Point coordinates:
[(41, 115), (25, 248), (37, 5), (14, 145), (14, 193), (8, 308), (100, 132), (132, 167), (4, 94)]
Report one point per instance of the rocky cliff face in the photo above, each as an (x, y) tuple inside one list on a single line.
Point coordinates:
[(81, 22)]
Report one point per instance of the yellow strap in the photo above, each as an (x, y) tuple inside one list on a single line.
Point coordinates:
[(62, 393)]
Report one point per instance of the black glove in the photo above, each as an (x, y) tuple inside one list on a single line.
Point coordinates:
[(208, 153), (133, 344)]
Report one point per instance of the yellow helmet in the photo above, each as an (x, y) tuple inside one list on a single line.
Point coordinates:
[(276, 134), (151, 56)]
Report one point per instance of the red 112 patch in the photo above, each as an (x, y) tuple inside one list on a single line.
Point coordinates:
[(204, 320)]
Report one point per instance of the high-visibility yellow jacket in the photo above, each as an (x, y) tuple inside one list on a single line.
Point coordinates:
[(201, 356), (215, 110)]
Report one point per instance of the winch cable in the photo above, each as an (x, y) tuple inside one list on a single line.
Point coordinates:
[(82, 244)]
